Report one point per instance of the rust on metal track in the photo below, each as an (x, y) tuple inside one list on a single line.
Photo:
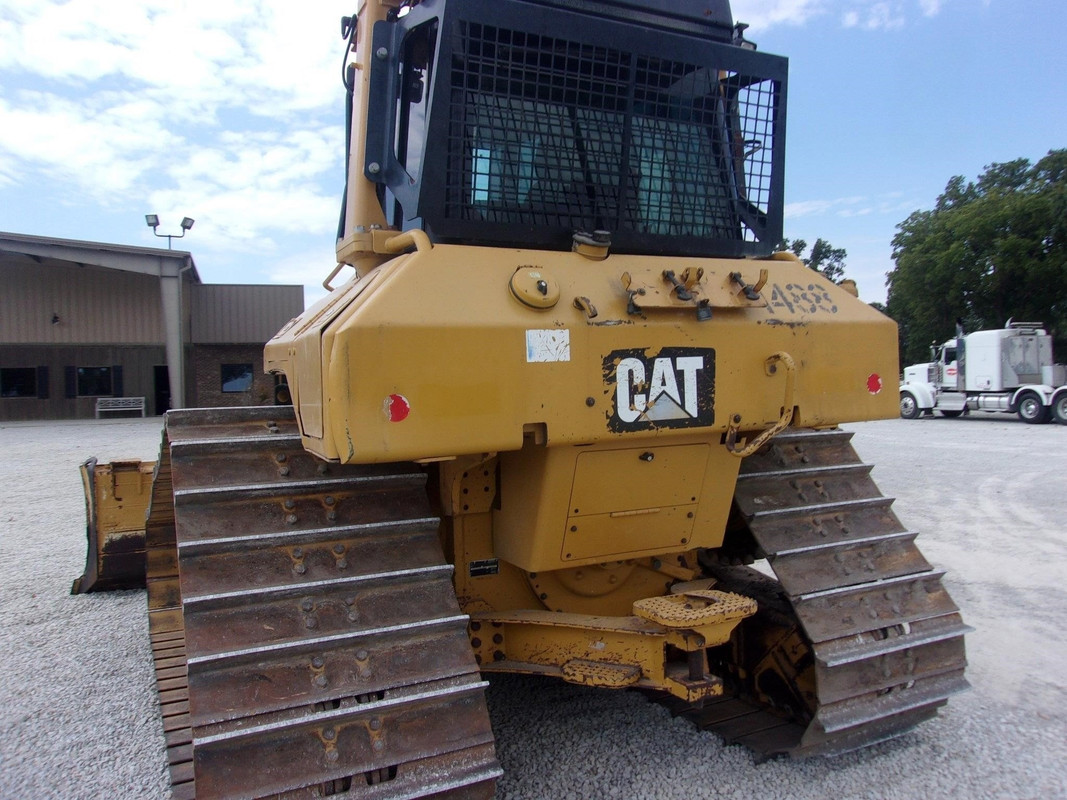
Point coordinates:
[(306, 635), (882, 640)]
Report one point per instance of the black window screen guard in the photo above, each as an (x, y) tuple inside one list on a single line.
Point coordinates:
[(672, 143)]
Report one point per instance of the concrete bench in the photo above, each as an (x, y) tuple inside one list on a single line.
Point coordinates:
[(104, 404)]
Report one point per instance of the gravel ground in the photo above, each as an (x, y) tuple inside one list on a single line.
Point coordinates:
[(77, 706)]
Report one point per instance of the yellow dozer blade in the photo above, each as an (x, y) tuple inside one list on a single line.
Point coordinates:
[(116, 498)]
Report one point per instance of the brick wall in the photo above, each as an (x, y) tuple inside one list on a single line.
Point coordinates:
[(206, 385)]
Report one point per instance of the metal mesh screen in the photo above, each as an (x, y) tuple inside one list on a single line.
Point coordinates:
[(547, 131)]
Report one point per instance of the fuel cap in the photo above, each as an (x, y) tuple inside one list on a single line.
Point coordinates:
[(533, 287)]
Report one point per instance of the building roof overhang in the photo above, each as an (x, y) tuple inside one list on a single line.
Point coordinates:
[(143, 260)]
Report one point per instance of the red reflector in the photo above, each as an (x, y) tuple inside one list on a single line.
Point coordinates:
[(397, 407)]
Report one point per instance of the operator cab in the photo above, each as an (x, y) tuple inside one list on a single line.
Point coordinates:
[(524, 122)]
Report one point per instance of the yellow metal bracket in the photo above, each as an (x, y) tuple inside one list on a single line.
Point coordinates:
[(365, 245), (733, 430)]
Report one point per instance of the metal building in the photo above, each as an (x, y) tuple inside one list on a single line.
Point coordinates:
[(82, 321)]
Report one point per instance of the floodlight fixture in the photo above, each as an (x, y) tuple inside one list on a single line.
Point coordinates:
[(152, 220)]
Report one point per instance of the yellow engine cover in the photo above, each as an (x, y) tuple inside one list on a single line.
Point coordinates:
[(435, 354)]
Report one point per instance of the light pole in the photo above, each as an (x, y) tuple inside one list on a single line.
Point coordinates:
[(153, 222)]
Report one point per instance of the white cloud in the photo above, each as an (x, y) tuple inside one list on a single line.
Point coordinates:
[(223, 110), (890, 203), (98, 151), (807, 208), (7, 175), (271, 159), (875, 16), (309, 268), (200, 51), (869, 15), (762, 14), (240, 219), (251, 186)]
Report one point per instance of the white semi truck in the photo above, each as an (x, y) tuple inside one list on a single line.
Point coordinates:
[(1009, 369)]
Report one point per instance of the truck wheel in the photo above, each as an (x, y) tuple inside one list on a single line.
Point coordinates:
[(1031, 409), (909, 408), (1059, 409), (950, 414)]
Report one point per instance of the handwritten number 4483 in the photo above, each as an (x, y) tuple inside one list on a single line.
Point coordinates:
[(799, 299)]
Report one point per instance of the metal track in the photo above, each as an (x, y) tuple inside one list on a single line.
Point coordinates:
[(307, 637), (882, 641)]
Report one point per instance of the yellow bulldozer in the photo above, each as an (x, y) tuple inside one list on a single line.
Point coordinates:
[(561, 393)]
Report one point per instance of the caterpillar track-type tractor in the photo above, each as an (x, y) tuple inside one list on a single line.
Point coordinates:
[(567, 395)]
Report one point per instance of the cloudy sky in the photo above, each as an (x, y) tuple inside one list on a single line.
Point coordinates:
[(231, 112)]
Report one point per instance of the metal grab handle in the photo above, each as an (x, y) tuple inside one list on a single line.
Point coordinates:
[(326, 283), (771, 367), (402, 241)]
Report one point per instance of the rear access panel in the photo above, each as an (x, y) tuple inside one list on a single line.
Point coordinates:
[(628, 501), (562, 507)]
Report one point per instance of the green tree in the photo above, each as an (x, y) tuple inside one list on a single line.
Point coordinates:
[(988, 251), (824, 257)]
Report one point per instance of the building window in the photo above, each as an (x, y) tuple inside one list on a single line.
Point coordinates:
[(236, 377), (18, 382), (94, 381)]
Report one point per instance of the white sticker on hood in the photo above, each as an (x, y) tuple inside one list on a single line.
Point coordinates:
[(548, 346)]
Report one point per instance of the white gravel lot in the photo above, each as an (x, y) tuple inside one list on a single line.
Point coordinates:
[(77, 705)]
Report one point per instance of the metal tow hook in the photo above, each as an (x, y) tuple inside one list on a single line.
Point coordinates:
[(733, 430)]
